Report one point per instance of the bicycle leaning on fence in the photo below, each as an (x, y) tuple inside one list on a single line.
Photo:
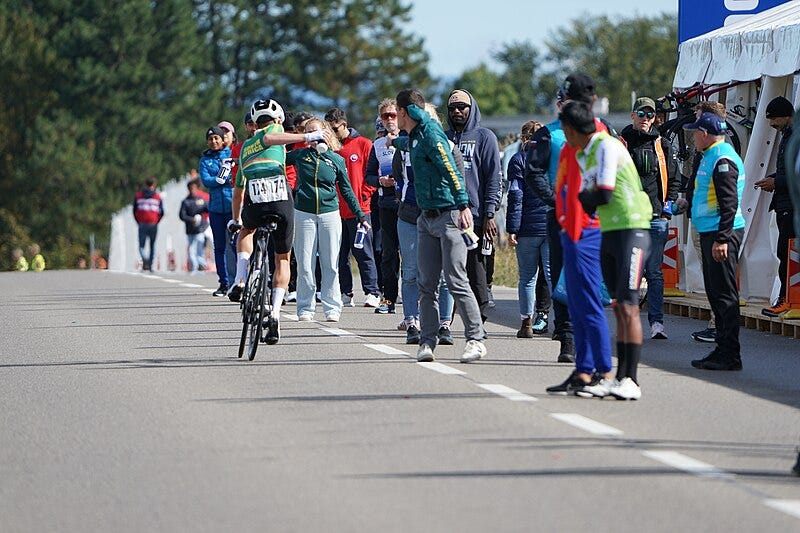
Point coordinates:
[(258, 325)]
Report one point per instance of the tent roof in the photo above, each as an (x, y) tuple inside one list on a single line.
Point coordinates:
[(767, 43)]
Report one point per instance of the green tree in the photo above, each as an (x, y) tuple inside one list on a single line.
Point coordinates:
[(494, 95), (521, 62)]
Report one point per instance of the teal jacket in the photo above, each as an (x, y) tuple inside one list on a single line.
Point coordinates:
[(317, 178), (437, 182)]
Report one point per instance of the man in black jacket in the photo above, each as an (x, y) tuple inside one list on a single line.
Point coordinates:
[(658, 171), (779, 113)]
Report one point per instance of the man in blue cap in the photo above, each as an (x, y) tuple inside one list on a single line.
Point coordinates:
[(715, 205)]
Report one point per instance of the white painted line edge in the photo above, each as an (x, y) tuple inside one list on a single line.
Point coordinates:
[(208, 290), (443, 369), (287, 316), (790, 507), (686, 463), (191, 285), (386, 349), (507, 392), (587, 424), (339, 332), (169, 280)]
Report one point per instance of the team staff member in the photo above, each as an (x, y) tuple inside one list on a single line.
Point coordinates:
[(717, 215), (148, 210), (262, 190)]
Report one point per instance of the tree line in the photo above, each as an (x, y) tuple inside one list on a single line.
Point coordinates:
[(97, 95)]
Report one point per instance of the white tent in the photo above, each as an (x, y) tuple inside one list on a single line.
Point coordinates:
[(763, 47)]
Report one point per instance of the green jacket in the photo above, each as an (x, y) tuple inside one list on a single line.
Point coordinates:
[(437, 182), (317, 177)]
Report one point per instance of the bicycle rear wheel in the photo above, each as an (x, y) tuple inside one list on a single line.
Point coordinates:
[(256, 315), (683, 144), (246, 306)]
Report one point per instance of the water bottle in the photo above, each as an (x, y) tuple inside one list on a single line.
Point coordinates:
[(487, 247), (470, 239), (224, 171), (361, 234)]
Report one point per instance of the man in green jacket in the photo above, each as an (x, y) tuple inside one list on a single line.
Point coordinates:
[(442, 197)]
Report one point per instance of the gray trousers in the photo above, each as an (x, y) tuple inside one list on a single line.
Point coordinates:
[(441, 248)]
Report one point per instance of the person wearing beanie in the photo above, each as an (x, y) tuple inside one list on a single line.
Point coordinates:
[(779, 114)]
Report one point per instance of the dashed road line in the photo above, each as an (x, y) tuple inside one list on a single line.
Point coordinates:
[(686, 463), (191, 285), (507, 392), (170, 280), (790, 507), (293, 318), (443, 369), (587, 424), (383, 348), (339, 332)]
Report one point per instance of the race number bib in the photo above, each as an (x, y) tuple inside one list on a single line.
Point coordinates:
[(266, 190)]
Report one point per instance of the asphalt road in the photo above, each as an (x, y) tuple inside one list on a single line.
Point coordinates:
[(123, 407)]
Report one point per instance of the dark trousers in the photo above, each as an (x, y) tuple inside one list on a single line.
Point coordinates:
[(542, 291), (147, 232), (476, 272), (719, 279), (562, 324), (390, 253), (785, 232), (488, 260), (364, 258)]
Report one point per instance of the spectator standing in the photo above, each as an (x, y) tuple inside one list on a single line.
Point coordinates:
[(658, 170), (483, 178), (355, 151), (148, 209), (37, 259), (193, 213), (715, 205), (215, 174), (228, 134), (779, 114), (526, 225)]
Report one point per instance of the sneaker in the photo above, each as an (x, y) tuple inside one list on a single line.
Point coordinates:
[(491, 303), (371, 300), (718, 361), (444, 336), (526, 329), (600, 389), (473, 351), (403, 325), (291, 297), (796, 467), (572, 384), (627, 389), (333, 316), (567, 352), (540, 325), (386, 307), (222, 290), (273, 331), (424, 354), (412, 335), (347, 299), (657, 331), (306, 317), (235, 294), (780, 307), (706, 335)]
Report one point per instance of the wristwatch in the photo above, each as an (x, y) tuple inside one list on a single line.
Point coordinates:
[(490, 214)]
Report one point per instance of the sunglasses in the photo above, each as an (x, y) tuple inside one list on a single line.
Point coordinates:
[(648, 114), (460, 106), (387, 116)]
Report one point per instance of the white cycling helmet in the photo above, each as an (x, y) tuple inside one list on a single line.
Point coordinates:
[(266, 108)]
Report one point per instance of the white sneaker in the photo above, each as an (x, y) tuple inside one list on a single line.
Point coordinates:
[(333, 316), (403, 325), (291, 297), (473, 351), (626, 390), (305, 317), (371, 301), (424, 354), (347, 300), (657, 331), (599, 390)]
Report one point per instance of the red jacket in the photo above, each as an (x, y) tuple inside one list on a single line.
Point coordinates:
[(147, 207), (355, 152)]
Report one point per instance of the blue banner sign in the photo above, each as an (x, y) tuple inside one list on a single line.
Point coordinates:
[(696, 17)]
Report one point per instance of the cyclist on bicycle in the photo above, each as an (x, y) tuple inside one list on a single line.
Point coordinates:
[(262, 190)]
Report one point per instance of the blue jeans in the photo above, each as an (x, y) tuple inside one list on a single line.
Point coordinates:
[(364, 257), (147, 232), (224, 250), (197, 251), (529, 251), (659, 231)]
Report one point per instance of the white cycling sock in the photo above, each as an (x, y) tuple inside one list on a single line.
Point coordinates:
[(242, 259), (277, 301)]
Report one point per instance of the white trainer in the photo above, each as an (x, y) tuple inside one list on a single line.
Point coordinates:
[(333, 316), (657, 331), (424, 354), (473, 351), (626, 390), (371, 301), (601, 389), (291, 297), (305, 317), (347, 300)]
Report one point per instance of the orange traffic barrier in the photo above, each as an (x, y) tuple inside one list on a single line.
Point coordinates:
[(793, 282), (670, 265)]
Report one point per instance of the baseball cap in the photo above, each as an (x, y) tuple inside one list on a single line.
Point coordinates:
[(226, 125), (214, 130), (710, 123), (579, 86), (459, 96), (779, 107), (248, 118), (644, 102)]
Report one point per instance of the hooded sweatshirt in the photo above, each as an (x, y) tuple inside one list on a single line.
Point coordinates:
[(355, 151), (482, 170)]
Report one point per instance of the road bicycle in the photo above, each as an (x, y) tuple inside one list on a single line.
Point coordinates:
[(255, 302)]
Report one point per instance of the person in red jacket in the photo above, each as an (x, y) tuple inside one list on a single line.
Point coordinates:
[(148, 209), (355, 151)]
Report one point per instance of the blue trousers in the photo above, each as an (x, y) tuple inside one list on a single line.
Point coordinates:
[(224, 250), (364, 258), (584, 278)]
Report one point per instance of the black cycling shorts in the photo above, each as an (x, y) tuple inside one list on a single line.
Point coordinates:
[(255, 215), (623, 254)]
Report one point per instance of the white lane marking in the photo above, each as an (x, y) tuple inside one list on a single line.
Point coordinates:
[(287, 316), (443, 369), (507, 392), (339, 332), (168, 280), (208, 290), (386, 349), (686, 463), (191, 285), (150, 276), (791, 507), (587, 424)]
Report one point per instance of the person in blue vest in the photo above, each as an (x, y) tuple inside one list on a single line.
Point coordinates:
[(716, 213)]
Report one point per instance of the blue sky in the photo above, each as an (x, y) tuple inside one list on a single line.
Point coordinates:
[(459, 35)]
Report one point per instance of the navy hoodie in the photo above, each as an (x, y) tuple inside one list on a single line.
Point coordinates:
[(482, 170)]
